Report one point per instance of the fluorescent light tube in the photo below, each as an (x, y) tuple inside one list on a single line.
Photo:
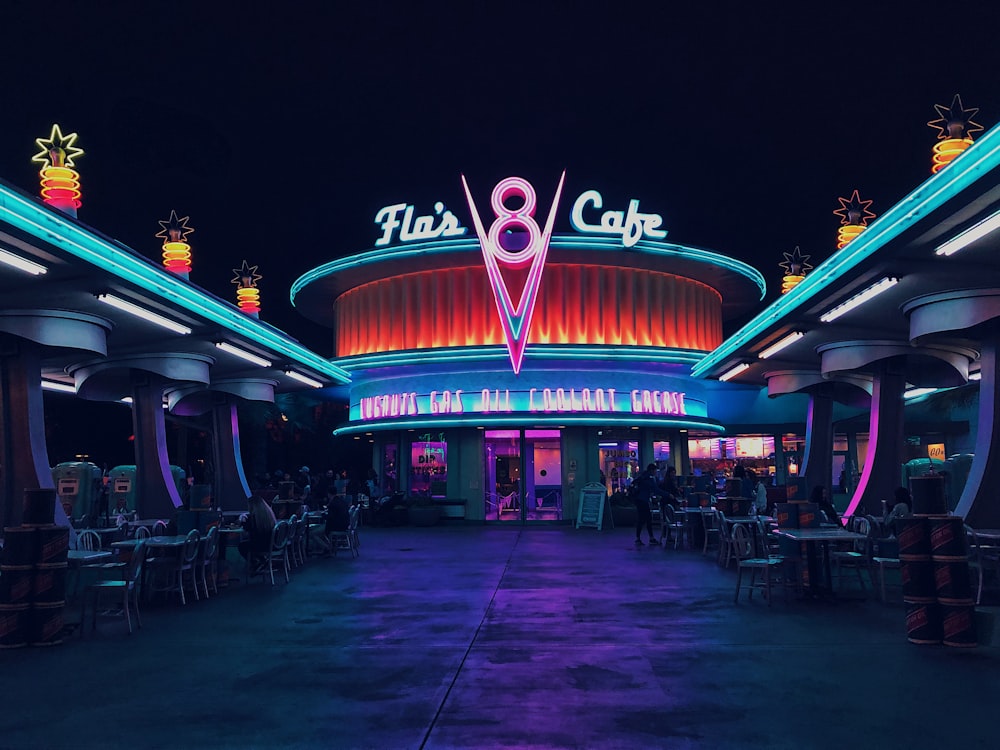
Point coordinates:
[(859, 299), (970, 235), (734, 372), (243, 354), (22, 264), (781, 344), (303, 379), (142, 312), (53, 385)]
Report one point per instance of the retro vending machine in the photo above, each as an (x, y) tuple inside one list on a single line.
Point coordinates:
[(123, 490)]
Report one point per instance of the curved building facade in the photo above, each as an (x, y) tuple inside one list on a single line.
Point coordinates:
[(501, 365)]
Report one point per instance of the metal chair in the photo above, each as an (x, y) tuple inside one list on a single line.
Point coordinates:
[(982, 560), (745, 560), (725, 541), (676, 528), (348, 538), (88, 540), (858, 557), (208, 560), (174, 567), (710, 525), (278, 554), (127, 587), (141, 532), (160, 528)]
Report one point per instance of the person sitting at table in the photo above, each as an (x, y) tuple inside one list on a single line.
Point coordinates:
[(821, 497), (669, 491), (896, 508), (258, 525), (338, 516)]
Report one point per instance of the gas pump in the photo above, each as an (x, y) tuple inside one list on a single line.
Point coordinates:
[(77, 487)]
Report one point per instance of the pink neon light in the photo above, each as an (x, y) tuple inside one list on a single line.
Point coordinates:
[(515, 320)]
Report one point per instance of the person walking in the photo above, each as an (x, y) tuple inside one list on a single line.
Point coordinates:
[(642, 491)]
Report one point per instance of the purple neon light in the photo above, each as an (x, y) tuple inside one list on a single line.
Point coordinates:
[(515, 321)]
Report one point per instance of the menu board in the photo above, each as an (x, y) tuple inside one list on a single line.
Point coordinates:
[(590, 512)]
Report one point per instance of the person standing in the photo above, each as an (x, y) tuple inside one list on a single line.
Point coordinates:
[(642, 494)]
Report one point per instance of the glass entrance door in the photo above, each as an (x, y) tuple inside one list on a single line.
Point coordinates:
[(523, 471)]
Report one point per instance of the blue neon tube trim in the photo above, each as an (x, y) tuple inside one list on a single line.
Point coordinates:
[(973, 163), (486, 420), (53, 229), (603, 244), (614, 352)]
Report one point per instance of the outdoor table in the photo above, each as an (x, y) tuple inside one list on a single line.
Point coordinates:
[(79, 557), (104, 532), (812, 537)]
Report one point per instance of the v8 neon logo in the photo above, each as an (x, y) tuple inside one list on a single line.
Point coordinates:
[(515, 319)]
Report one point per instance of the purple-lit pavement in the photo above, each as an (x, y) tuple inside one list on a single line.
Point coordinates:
[(474, 637)]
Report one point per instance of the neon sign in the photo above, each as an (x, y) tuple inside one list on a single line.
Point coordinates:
[(515, 320), (421, 228), (631, 226), (60, 182), (176, 250), (558, 400), (247, 293)]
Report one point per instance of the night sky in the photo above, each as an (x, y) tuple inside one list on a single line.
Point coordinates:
[(281, 128)]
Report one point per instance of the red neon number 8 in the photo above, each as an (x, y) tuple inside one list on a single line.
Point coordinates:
[(520, 217)]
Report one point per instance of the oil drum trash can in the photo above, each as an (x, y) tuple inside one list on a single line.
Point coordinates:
[(950, 551), (14, 625), (923, 612)]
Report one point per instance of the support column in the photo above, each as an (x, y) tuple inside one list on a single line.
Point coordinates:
[(231, 488), (980, 504), (817, 463), (881, 473), (156, 495), (22, 417)]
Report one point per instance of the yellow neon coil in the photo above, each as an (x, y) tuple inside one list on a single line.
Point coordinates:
[(848, 232), (60, 186), (177, 257), (946, 150), (249, 299), (789, 282)]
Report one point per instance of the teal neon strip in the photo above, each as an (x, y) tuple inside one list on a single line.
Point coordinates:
[(51, 228), (485, 420), (602, 244), (458, 355), (975, 162)]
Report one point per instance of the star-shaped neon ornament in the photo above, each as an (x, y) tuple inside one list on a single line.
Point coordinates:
[(955, 121), (795, 263), (175, 229), (246, 276), (854, 211), (57, 150)]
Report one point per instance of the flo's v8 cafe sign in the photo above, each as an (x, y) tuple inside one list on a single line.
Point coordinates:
[(514, 239)]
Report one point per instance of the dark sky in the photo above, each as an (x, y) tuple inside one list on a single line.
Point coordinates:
[(281, 127)]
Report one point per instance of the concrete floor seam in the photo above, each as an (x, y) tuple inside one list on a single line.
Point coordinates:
[(472, 641)]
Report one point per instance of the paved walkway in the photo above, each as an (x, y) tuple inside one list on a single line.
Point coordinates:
[(474, 637)]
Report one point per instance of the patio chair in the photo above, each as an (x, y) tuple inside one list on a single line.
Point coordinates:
[(982, 561), (725, 541), (160, 528), (127, 588), (348, 538), (278, 554), (168, 571), (208, 560), (141, 532), (672, 526), (745, 560), (710, 525), (858, 557), (88, 540)]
